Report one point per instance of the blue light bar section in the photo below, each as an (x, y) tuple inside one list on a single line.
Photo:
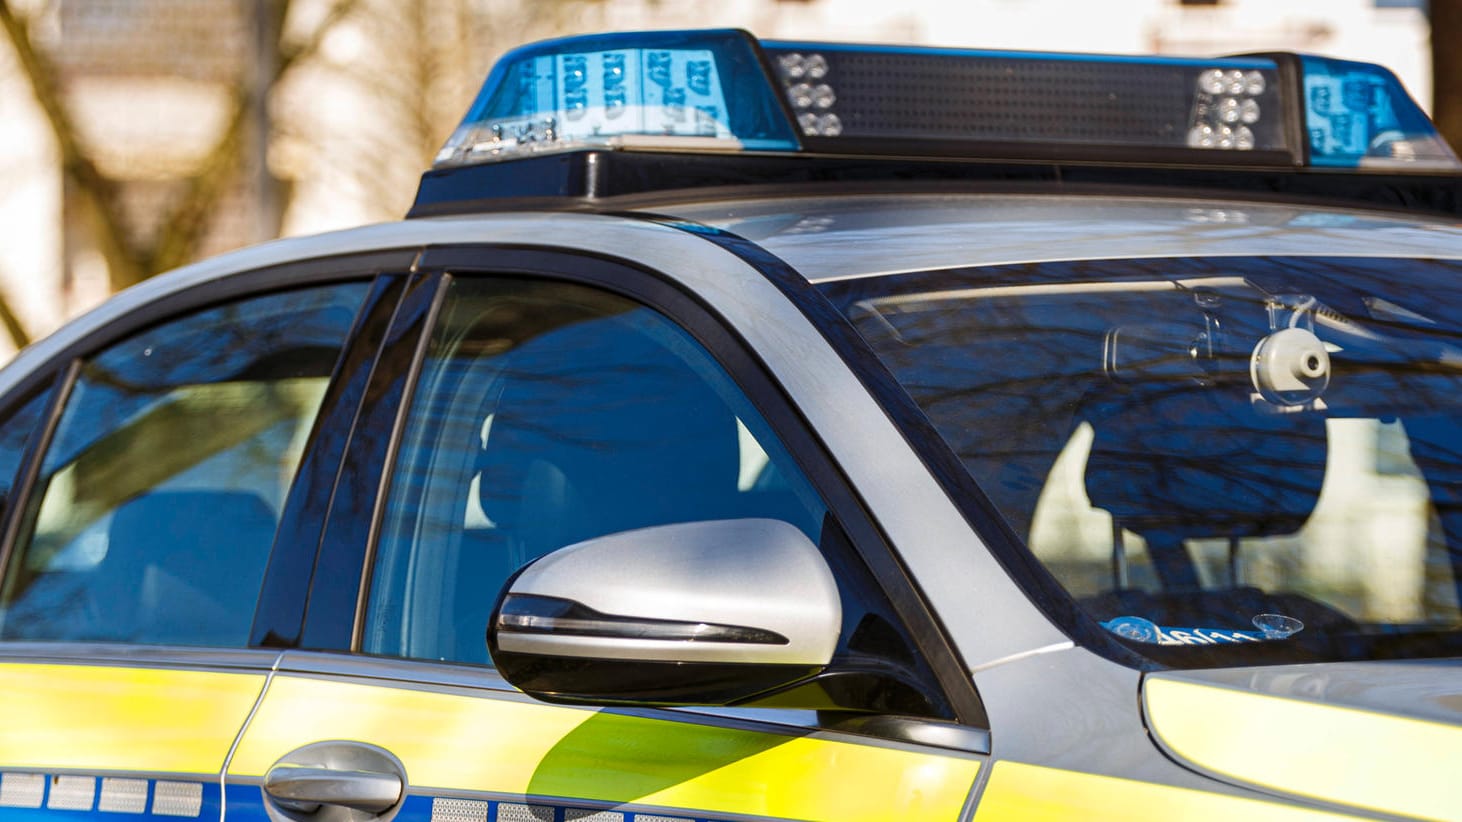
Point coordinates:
[(720, 91), (690, 90), (1358, 115)]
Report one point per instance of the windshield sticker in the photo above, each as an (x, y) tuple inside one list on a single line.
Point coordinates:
[(1272, 626)]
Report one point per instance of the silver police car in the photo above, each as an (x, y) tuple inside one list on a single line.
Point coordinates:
[(751, 430)]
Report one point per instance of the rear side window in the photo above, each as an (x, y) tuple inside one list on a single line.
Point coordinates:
[(157, 500)]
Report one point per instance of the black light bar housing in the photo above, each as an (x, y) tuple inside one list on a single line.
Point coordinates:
[(611, 180)]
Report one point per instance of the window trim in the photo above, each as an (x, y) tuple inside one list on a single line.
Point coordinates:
[(347, 541), (284, 593), (16, 513)]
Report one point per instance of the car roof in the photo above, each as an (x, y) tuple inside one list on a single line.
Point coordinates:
[(841, 237), (830, 236), (569, 230)]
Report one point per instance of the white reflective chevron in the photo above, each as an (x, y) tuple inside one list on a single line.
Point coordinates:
[(22, 790), (123, 795), (459, 810), (71, 793), (177, 798)]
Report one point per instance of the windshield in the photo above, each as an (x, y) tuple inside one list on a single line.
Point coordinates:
[(1220, 460)]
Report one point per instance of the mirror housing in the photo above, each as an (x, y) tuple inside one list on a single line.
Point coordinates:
[(699, 613)]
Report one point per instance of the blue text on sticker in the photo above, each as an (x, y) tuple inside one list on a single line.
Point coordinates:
[(1145, 630)]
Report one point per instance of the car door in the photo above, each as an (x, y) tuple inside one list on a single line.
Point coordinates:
[(551, 402), (153, 460)]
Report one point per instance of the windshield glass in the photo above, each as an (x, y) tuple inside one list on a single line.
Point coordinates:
[(1219, 459)]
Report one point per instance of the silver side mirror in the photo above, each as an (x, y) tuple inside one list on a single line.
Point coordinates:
[(700, 613)]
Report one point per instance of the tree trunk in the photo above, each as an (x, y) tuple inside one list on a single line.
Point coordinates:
[(185, 226), (1446, 20)]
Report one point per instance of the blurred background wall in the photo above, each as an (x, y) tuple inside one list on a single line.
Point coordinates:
[(139, 135)]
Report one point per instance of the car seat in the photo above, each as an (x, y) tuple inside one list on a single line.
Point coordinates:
[(1175, 462), (185, 567)]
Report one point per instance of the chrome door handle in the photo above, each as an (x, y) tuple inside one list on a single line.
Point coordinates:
[(335, 781), (305, 789)]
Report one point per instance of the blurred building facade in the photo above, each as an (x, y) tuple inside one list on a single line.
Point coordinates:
[(151, 83)]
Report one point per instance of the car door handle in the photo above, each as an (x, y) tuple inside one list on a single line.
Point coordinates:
[(305, 789)]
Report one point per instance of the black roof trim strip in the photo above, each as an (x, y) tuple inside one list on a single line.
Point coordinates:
[(592, 179)]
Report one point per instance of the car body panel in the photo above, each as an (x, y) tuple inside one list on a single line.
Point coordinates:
[(1069, 740), (1018, 790), (119, 732), (1425, 689), (498, 746), (139, 719), (1317, 748), (829, 238)]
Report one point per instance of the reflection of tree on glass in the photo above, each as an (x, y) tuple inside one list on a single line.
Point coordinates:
[(161, 488), (1199, 443)]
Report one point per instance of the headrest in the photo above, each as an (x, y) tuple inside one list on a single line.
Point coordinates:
[(1201, 463), (185, 566)]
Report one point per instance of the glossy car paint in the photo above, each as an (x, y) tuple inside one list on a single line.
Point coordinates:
[(1067, 733)]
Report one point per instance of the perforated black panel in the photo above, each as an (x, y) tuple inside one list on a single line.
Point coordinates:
[(946, 96)]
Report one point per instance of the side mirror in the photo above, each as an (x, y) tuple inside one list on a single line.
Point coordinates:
[(699, 613)]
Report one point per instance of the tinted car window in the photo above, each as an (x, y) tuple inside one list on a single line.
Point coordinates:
[(158, 497), (546, 414)]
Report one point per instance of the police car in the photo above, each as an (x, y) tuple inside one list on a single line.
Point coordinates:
[(749, 430)]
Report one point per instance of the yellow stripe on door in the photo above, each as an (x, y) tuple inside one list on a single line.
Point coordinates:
[(114, 718), (460, 742)]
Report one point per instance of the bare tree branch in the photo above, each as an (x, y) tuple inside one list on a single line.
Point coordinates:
[(1446, 28), (187, 223), (97, 191), (184, 227), (17, 333), (290, 55)]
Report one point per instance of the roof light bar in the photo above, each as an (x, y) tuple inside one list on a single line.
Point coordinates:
[(723, 91), (1358, 115), (698, 90)]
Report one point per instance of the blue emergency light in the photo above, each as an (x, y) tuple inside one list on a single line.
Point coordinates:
[(723, 91)]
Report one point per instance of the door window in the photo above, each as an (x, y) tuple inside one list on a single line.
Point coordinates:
[(155, 509), (549, 413)]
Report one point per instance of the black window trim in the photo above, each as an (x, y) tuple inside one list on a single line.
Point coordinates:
[(284, 591), (335, 602), (61, 382), (710, 329)]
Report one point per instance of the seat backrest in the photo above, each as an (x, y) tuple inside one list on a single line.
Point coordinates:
[(1178, 463), (1197, 463), (190, 563)]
